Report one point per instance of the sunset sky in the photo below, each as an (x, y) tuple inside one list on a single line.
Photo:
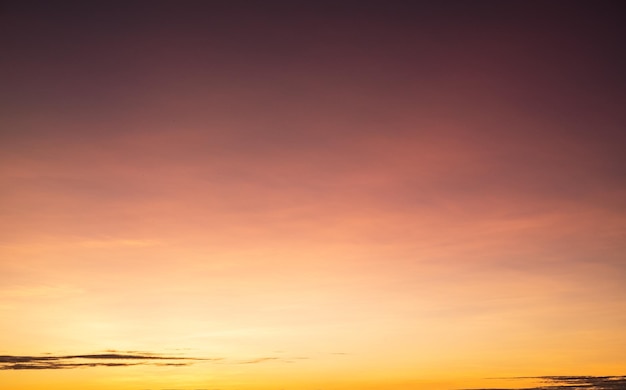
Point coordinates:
[(312, 195)]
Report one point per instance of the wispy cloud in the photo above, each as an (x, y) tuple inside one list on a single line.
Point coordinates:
[(266, 359), (258, 360), (13, 362), (114, 358), (573, 383)]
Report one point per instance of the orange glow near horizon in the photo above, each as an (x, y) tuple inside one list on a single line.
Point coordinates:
[(310, 197)]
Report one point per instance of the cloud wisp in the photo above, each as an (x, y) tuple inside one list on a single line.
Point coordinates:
[(573, 383), (13, 362), (114, 358)]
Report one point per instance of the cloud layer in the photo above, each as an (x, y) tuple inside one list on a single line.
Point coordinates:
[(12, 362), (575, 383), (114, 358)]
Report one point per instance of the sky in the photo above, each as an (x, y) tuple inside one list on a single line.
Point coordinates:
[(328, 195)]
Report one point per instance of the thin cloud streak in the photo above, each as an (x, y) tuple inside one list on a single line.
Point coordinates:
[(13, 362), (259, 360), (573, 383), (18, 362)]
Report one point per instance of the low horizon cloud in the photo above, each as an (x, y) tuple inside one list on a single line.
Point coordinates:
[(113, 358), (574, 382)]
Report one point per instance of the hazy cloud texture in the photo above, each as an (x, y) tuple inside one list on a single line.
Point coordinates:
[(113, 358), (13, 362), (574, 383)]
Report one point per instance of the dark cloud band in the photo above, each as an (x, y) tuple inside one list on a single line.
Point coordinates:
[(12, 362), (573, 383), (113, 358)]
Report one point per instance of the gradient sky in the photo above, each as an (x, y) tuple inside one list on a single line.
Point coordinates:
[(347, 195)]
